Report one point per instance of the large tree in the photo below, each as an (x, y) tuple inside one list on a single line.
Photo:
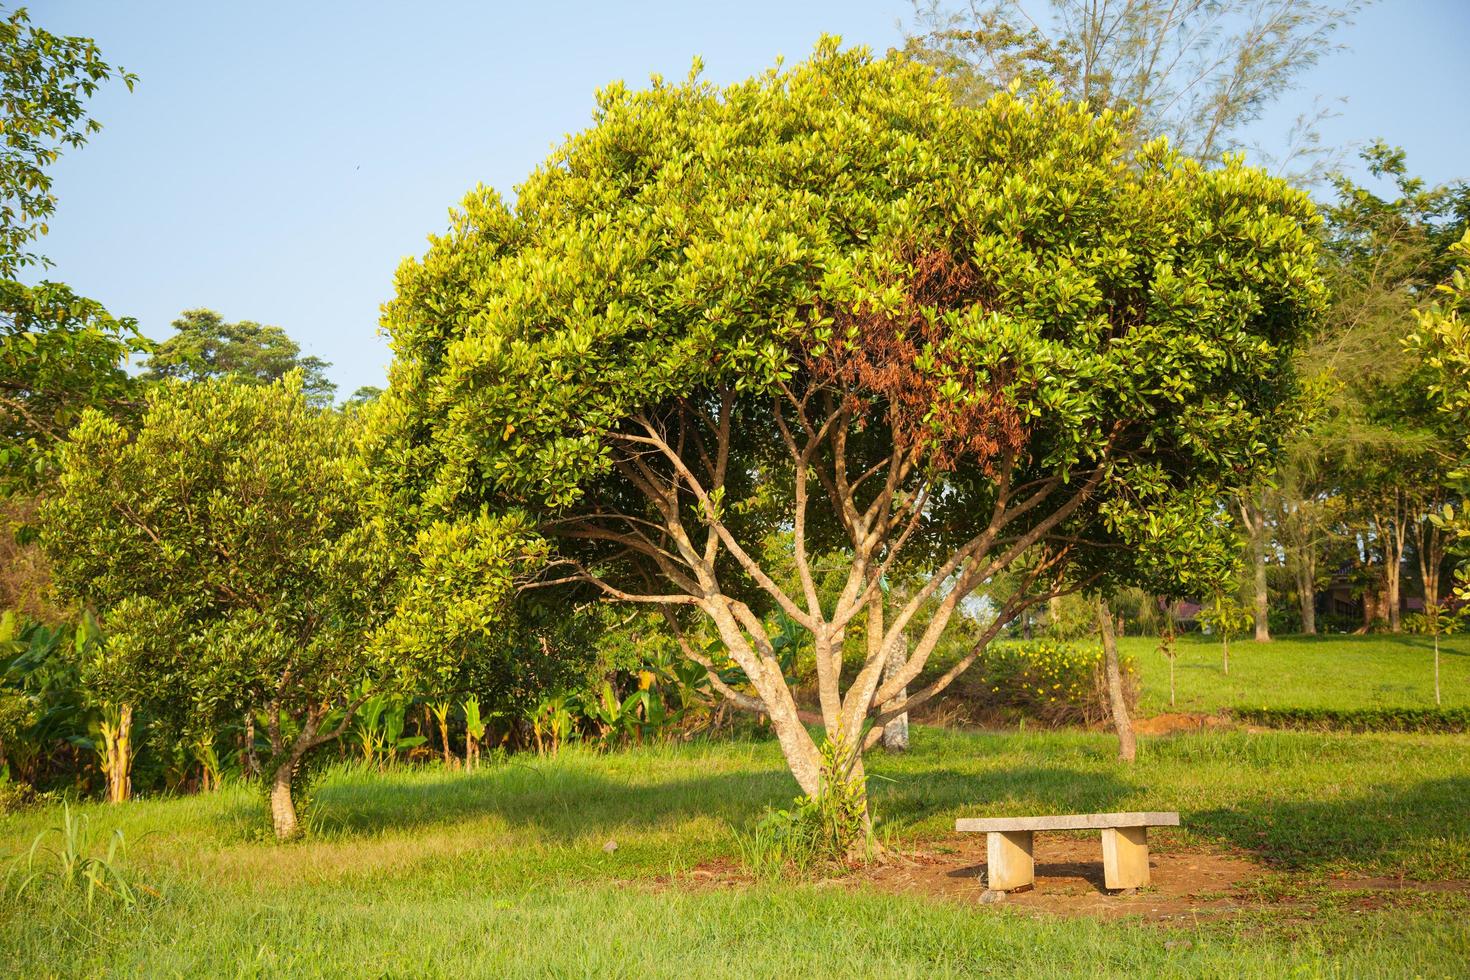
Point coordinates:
[(204, 345), (1198, 71), (832, 302), (1378, 435), (59, 352)]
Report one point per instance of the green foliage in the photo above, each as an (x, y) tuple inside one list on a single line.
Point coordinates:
[(1055, 683), (656, 696), (72, 866), (1225, 617), (45, 711), (378, 729), (60, 354), (363, 395), (761, 222), (222, 543), (205, 346), (45, 80), (1358, 719), (553, 723), (817, 832), (1014, 293), (214, 540)]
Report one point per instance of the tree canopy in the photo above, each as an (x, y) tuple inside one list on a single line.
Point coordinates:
[(59, 354), (206, 346), (45, 80), (830, 299)]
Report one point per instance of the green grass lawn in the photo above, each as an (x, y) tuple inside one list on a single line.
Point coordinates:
[(503, 873), (1303, 672)]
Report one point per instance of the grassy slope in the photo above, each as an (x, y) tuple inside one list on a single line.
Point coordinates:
[(1304, 672), (502, 872)]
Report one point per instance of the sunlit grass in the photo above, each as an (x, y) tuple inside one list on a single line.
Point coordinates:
[(1377, 671), (503, 871)]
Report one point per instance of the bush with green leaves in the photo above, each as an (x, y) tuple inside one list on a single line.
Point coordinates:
[(221, 542), (1054, 683)]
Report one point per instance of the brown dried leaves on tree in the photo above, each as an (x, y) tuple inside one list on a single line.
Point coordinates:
[(876, 355)]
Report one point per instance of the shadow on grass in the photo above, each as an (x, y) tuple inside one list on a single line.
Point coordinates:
[(1422, 831), (1419, 829), (562, 804), (565, 804)]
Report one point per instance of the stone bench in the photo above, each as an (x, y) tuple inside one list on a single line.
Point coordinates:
[(1009, 865)]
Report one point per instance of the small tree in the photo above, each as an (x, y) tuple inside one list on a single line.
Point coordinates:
[(474, 732), (1227, 617), (220, 541), (1168, 643), (1113, 670)]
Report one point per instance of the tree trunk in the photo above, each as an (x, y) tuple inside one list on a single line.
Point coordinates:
[(896, 732), (1225, 645), (1127, 747), (1391, 532), (1437, 702), (1254, 517), (283, 807), (1306, 586), (1391, 572), (1431, 557), (117, 752), (443, 720), (252, 762)]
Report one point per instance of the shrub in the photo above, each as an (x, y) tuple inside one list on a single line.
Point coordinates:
[(1358, 719), (1055, 683), (1338, 623)]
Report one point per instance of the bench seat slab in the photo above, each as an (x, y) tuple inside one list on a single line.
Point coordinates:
[(1071, 821), (1009, 863)]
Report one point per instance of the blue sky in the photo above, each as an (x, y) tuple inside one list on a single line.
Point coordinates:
[(278, 160)]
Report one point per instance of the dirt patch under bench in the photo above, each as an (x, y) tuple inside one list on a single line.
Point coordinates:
[(1187, 886), (1069, 879)]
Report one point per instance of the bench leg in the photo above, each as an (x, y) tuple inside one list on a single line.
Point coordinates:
[(1125, 857), (1008, 861)]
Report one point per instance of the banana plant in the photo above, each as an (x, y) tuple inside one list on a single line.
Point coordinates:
[(474, 731), (440, 710), (378, 730), (552, 723)]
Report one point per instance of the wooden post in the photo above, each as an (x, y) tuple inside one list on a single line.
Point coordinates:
[(1008, 861), (1125, 857)]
